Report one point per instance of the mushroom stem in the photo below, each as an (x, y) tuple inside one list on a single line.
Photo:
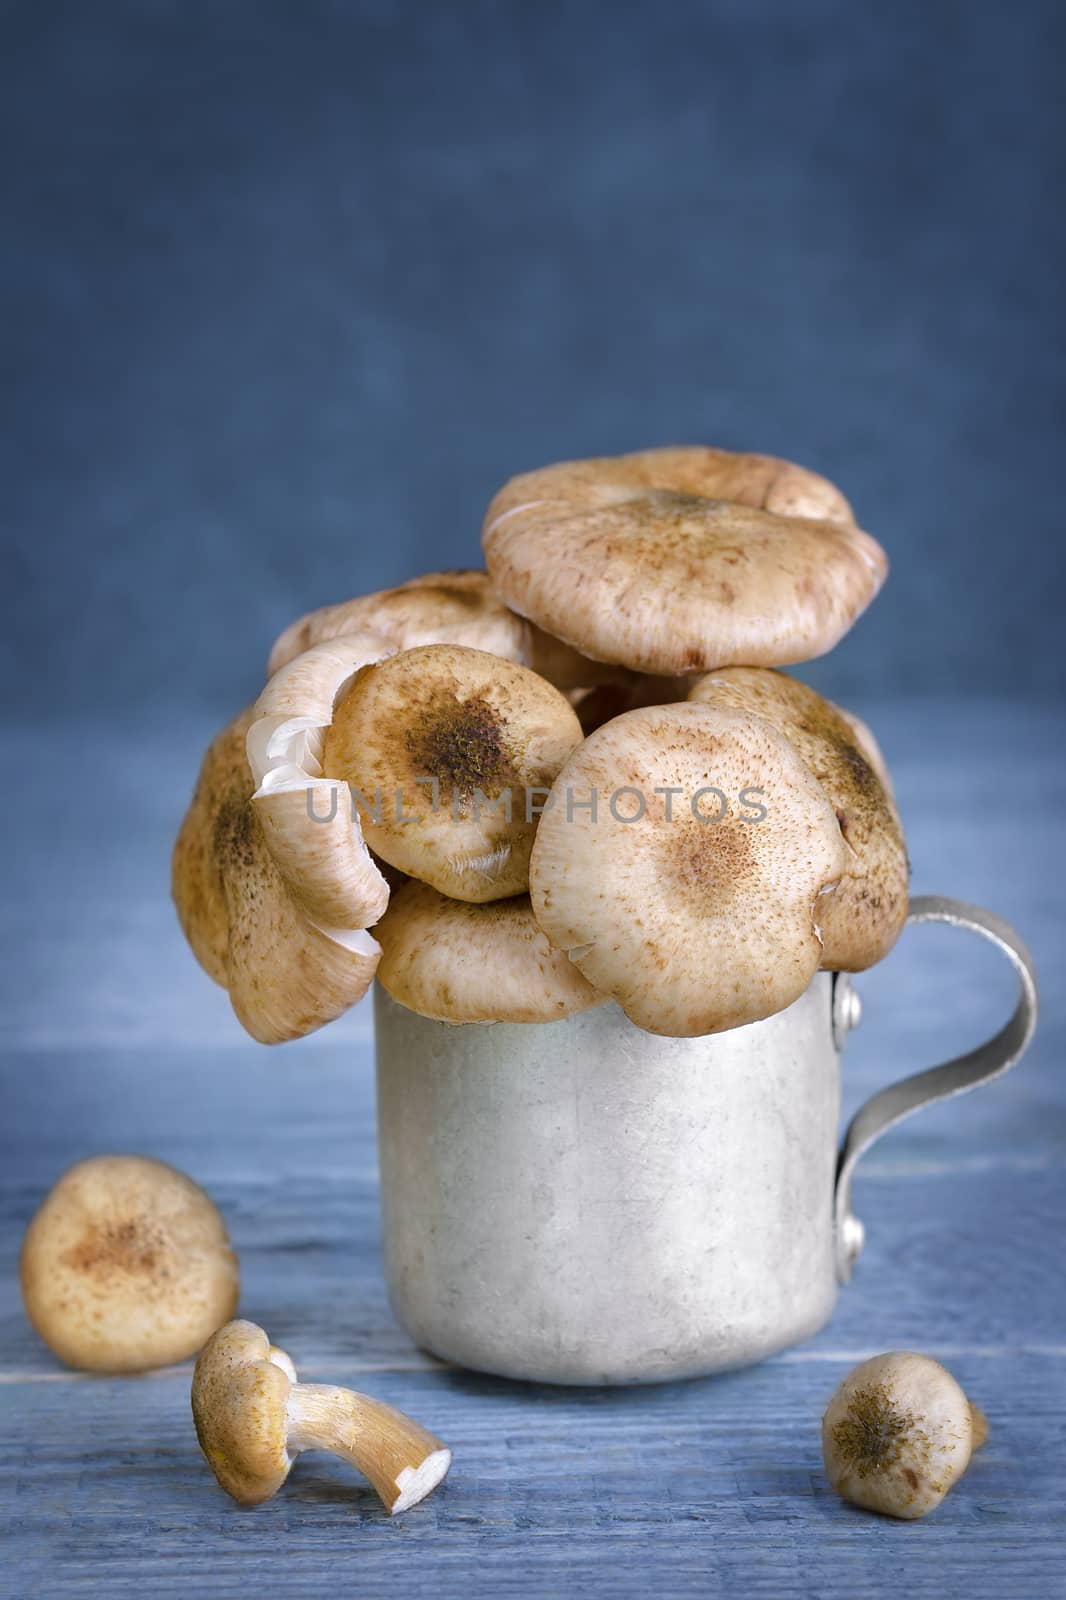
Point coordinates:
[(979, 1424), (402, 1460)]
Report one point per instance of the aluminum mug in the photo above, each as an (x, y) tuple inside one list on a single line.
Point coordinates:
[(581, 1202)]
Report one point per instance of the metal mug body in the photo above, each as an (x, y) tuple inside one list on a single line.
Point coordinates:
[(581, 1202)]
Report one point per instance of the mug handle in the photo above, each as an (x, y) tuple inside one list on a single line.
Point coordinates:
[(990, 1060)]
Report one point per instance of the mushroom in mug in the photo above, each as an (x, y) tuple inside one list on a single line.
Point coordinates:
[(680, 865), (452, 752), (682, 560), (457, 607), (454, 607), (898, 1433), (126, 1266), (272, 880), (253, 1419), (462, 962), (862, 920)]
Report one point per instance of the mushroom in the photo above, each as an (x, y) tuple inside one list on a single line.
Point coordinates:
[(126, 1266), (461, 962), (452, 753), (273, 883), (253, 1419), (679, 865), (455, 607), (898, 1433), (682, 560), (861, 922)]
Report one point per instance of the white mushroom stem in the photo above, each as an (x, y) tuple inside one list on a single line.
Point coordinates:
[(402, 1460)]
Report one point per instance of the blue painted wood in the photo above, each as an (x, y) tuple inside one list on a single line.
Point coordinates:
[(110, 1038)]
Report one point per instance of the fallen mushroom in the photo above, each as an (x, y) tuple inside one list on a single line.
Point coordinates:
[(461, 962), (682, 560), (452, 752), (457, 607), (126, 1266), (863, 918), (898, 1433), (679, 865), (253, 1418)]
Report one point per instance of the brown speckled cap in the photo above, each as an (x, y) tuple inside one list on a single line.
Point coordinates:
[(898, 1432), (682, 560), (862, 919), (126, 1266), (693, 925), (443, 735), (457, 607), (239, 1393), (459, 962)]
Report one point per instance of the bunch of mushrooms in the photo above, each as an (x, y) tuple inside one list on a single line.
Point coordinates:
[(575, 777)]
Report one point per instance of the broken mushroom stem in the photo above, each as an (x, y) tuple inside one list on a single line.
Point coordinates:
[(253, 1419), (402, 1460)]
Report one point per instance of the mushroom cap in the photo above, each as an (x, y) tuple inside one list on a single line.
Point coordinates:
[(692, 925), (287, 970), (682, 560), (239, 1392), (481, 728), (457, 607), (127, 1266), (862, 920), (460, 962), (224, 782), (898, 1432)]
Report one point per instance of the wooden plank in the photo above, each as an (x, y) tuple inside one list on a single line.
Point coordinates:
[(701, 1488)]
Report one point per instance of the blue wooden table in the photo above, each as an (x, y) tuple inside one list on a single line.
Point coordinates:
[(112, 1039)]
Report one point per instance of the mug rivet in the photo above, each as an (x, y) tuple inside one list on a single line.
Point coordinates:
[(847, 1009), (852, 1239)]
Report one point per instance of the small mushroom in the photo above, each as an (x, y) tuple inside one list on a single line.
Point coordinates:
[(253, 1419), (679, 864), (898, 1433), (461, 962), (452, 752), (126, 1266), (862, 920), (456, 607), (682, 560)]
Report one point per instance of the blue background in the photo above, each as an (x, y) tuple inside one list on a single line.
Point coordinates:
[(290, 289)]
